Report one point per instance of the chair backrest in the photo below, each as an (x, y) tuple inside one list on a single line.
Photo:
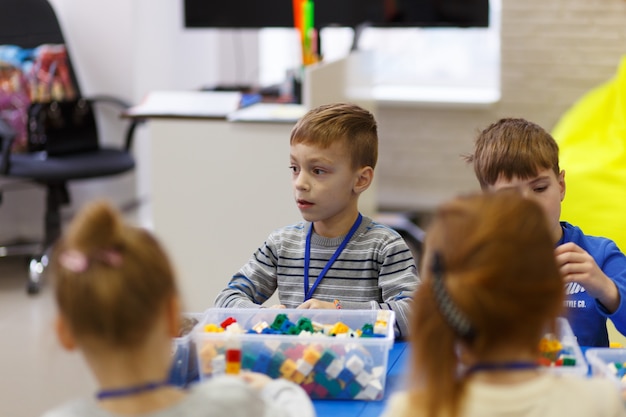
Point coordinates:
[(30, 23)]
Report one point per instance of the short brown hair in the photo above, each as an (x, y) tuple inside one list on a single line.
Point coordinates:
[(512, 148), (345, 122), (499, 271), (111, 279)]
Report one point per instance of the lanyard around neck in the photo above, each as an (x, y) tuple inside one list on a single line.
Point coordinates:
[(307, 257), (129, 391), (502, 366)]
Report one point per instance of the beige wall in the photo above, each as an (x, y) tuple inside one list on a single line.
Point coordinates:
[(553, 51)]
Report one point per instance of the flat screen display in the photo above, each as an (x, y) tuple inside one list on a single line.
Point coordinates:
[(351, 13)]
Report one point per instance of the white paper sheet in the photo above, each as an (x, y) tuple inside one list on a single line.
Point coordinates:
[(187, 104)]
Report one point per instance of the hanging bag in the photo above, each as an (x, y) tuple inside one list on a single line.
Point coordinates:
[(61, 127), (59, 123)]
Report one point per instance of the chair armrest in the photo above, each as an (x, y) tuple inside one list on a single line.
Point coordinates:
[(103, 98), (7, 135), (118, 102)]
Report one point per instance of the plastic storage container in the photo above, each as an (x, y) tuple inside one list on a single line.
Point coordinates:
[(184, 366), (570, 343), (326, 367), (602, 362)]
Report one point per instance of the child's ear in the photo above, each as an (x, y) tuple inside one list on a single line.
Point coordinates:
[(561, 181), (174, 316), (64, 333), (365, 176)]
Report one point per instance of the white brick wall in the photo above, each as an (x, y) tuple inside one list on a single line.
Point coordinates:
[(553, 51)]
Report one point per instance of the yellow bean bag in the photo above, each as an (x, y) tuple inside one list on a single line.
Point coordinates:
[(592, 141)]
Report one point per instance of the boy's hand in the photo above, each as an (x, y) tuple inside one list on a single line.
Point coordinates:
[(576, 265), (316, 304)]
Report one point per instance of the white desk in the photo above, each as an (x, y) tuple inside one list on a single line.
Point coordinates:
[(218, 189)]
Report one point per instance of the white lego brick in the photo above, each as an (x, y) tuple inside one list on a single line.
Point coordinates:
[(373, 389), (363, 378), (304, 367), (355, 364), (335, 368), (218, 364)]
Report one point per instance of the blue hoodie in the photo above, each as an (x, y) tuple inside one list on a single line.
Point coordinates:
[(586, 315)]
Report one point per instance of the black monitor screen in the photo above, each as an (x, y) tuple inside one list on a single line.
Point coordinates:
[(384, 13)]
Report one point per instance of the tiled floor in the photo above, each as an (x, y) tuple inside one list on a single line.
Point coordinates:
[(35, 372)]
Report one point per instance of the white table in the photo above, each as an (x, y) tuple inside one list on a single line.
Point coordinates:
[(218, 190)]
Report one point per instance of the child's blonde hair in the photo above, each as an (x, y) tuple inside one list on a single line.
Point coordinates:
[(347, 123), (111, 279), (490, 281), (512, 148)]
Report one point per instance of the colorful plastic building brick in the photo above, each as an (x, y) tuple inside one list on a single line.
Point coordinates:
[(213, 328), (233, 361), (304, 324), (227, 322), (278, 321)]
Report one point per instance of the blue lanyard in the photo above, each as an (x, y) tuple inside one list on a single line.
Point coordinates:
[(129, 391), (501, 366), (307, 257)]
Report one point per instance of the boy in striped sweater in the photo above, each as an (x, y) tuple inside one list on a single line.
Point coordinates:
[(335, 258)]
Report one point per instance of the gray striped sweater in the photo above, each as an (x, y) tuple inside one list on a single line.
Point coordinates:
[(376, 270)]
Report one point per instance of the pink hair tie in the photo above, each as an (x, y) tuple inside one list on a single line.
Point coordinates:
[(74, 261)]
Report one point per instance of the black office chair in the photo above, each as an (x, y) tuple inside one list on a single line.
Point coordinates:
[(28, 24)]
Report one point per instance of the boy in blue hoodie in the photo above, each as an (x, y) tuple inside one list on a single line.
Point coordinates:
[(516, 153)]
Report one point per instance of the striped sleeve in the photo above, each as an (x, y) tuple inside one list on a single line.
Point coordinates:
[(257, 280)]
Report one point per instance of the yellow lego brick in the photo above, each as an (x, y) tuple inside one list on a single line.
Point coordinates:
[(213, 328), (287, 368), (311, 355)]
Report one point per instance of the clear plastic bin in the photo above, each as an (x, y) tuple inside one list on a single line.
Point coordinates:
[(184, 366), (326, 367), (601, 361), (569, 342)]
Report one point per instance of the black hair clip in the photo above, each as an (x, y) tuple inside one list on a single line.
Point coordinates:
[(450, 312)]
